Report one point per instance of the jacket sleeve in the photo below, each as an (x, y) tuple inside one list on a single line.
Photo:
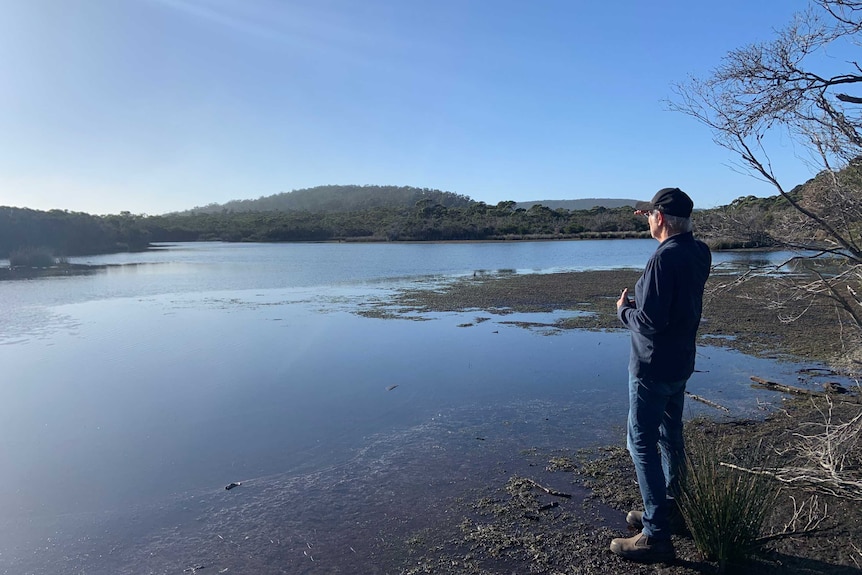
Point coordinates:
[(652, 312)]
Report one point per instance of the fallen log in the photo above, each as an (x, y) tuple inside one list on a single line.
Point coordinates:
[(785, 388), (765, 383)]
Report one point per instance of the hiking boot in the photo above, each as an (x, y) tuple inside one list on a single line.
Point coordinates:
[(644, 549), (677, 521), (635, 519)]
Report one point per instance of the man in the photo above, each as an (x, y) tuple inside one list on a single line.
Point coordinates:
[(663, 319)]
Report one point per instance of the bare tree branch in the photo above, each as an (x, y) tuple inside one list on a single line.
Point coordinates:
[(849, 99)]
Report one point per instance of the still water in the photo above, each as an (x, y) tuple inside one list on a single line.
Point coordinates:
[(134, 395)]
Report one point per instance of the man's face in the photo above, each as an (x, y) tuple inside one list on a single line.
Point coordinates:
[(653, 218)]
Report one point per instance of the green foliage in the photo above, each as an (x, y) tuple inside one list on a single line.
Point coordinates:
[(724, 509), (69, 233), (435, 216), (424, 221), (582, 204)]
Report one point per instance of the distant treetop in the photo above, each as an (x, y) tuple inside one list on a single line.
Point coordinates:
[(584, 204), (352, 198)]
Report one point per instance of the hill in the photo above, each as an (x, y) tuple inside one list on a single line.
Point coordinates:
[(352, 198), (336, 199), (583, 204)]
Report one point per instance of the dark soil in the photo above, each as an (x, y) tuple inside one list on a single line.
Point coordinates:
[(520, 528)]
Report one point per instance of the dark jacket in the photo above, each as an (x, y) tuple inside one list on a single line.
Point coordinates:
[(666, 314)]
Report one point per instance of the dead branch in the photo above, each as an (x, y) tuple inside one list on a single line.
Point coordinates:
[(707, 402), (805, 478), (829, 458), (848, 98), (806, 518), (548, 490)]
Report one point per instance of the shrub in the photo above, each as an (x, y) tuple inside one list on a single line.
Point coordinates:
[(724, 509), (30, 257)]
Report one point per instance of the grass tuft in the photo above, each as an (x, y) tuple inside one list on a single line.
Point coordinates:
[(725, 510)]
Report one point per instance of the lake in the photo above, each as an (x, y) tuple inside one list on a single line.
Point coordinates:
[(135, 394)]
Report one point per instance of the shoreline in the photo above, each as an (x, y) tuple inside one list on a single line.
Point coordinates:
[(732, 314), (506, 522), (516, 527)]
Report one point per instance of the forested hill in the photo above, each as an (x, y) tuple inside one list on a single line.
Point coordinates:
[(361, 213), (352, 198), (334, 199)]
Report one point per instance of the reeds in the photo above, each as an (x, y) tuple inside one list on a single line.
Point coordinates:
[(32, 257), (725, 509)]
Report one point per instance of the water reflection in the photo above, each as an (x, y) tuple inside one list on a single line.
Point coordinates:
[(136, 396)]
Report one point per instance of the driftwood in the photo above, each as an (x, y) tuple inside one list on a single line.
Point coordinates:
[(707, 402), (785, 388), (765, 383), (547, 490)]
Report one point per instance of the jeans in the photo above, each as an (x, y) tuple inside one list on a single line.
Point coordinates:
[(655, 421)]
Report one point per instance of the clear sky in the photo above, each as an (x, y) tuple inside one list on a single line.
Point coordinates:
[(153, 106)]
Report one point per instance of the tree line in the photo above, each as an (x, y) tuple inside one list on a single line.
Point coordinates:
[(73, 233), (748, 222), (65, 233)]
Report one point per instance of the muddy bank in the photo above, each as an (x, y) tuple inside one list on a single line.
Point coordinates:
[(736, 317), (526, 526), (518, 527)]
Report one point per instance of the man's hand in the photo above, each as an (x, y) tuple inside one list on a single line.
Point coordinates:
[(624, 300)]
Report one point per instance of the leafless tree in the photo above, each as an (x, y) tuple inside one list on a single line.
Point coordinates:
[(775, 87)]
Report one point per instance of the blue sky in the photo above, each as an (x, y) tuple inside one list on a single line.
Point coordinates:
[(153, 106)]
